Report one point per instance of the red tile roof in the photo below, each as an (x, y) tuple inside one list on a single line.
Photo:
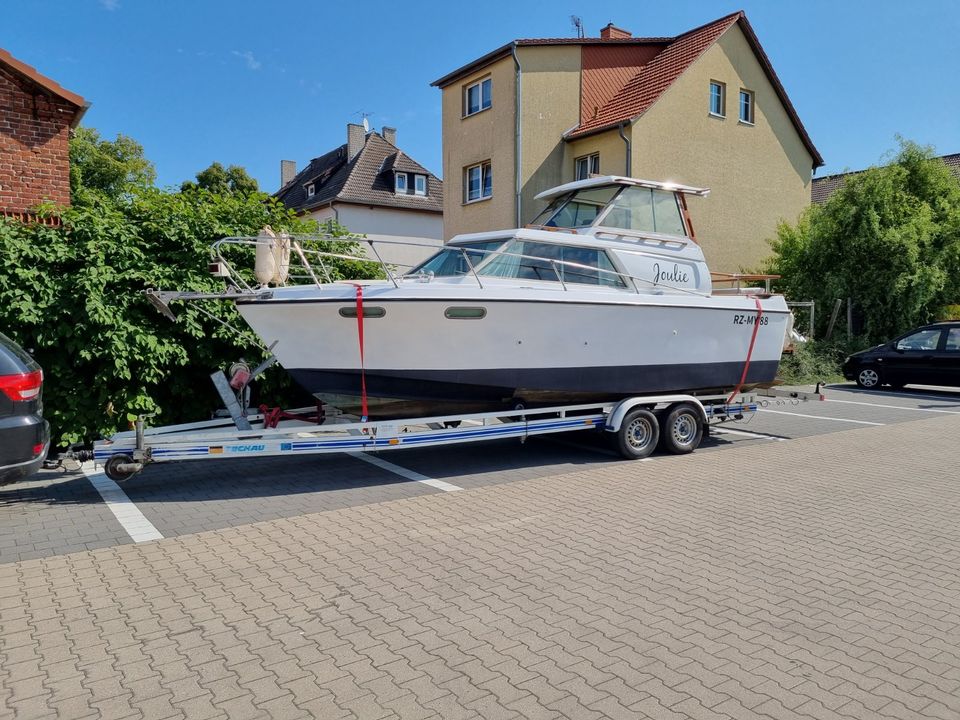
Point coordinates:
[(31, 74), (649, 84)]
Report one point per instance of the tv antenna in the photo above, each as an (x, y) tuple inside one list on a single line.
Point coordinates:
[(577, 25), (364, 115)]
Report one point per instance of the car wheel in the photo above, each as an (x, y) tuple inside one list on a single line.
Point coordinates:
[(868, 378)]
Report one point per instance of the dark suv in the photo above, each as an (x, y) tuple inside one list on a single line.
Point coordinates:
[(24, 434)]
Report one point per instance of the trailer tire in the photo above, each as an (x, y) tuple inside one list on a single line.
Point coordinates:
[(681, 429), (638, 434), (112, 468)]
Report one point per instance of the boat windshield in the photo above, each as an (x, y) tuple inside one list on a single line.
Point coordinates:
[(630, 208), (449, 262), (577, 210), (527, 260)]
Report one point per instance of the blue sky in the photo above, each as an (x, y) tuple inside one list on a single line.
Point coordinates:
[(250, 83)]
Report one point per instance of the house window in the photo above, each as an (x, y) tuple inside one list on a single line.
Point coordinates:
[(311, 191), (479, 182), (586, 166), (401, 182), (746, 107), (420, 184), (718, 99), (477, 97)]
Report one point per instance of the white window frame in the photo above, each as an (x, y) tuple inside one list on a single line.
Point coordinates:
[(467, 112), (751, 106), (399, 187), (723, 99), (419, 184), (311, 190), (592, 162), (485, 169)]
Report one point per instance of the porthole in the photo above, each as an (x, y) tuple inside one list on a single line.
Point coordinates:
[(371, 311), (465, 313)]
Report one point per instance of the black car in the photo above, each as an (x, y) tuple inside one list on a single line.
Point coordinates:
[(929, 355), (24, 434)]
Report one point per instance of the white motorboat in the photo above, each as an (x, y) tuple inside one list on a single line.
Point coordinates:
[(605, 295)]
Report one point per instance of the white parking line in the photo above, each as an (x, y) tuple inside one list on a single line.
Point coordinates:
[(895, 407), (134, 522), (404, 473), (746, 433), (819, 417)]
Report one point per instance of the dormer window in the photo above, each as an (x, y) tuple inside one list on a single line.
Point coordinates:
[(420, 184), (401, 182), (311, 190)]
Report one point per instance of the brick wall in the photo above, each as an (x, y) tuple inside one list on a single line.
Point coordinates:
[(34, 145)]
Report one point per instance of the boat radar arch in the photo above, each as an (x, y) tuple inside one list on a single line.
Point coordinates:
[(620, 180)]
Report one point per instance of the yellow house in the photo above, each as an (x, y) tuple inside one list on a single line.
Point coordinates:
[(704, 108)]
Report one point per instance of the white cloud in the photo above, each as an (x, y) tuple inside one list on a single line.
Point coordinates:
[(110, 4), (252, 62)]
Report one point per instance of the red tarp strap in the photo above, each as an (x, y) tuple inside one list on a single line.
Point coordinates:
[(753, 340), (363, 375)]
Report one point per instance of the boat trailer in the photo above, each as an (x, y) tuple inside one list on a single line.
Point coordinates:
[(638, 425)]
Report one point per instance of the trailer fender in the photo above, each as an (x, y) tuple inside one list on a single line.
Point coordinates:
[(653, 402)]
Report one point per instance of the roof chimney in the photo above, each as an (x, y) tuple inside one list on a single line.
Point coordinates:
[(288, 171), (612, 32), (389, 134), (356, 137)]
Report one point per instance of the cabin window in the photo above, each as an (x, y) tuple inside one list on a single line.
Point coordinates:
[(586, 166), (401, 182), (718, 98), (647, 210), (371, 311), (420, 184), (465, 313), (526, 260), (746, 107), (311, 190), (477, 97), (449, 262), (478, 182), (577, 211)]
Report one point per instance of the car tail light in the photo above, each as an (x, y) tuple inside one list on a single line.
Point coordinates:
[(25, 386), (37, 449)]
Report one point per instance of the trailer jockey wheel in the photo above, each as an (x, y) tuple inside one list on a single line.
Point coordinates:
[(681, 429), (638, 434), (113, 471)]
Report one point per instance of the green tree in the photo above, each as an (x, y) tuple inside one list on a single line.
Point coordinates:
[(223, 181), (109, 167), (889, 238), (75, 295)]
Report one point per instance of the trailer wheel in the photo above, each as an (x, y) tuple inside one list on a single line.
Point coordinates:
[(113, 471), (638, 434), (682, 429)]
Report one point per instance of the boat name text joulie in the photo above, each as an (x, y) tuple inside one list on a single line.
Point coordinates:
[(675, 275)]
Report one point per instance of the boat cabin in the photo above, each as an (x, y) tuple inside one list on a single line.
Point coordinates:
[(607, 232)]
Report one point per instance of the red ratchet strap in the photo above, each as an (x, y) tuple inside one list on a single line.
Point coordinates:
[(363, 375), (753, 340)]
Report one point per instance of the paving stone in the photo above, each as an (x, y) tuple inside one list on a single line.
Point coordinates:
[(661, 589)]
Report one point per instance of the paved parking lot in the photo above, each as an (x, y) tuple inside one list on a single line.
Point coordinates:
[(806, 564)]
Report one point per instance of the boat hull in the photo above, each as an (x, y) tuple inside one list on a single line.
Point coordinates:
[(538, 348)]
